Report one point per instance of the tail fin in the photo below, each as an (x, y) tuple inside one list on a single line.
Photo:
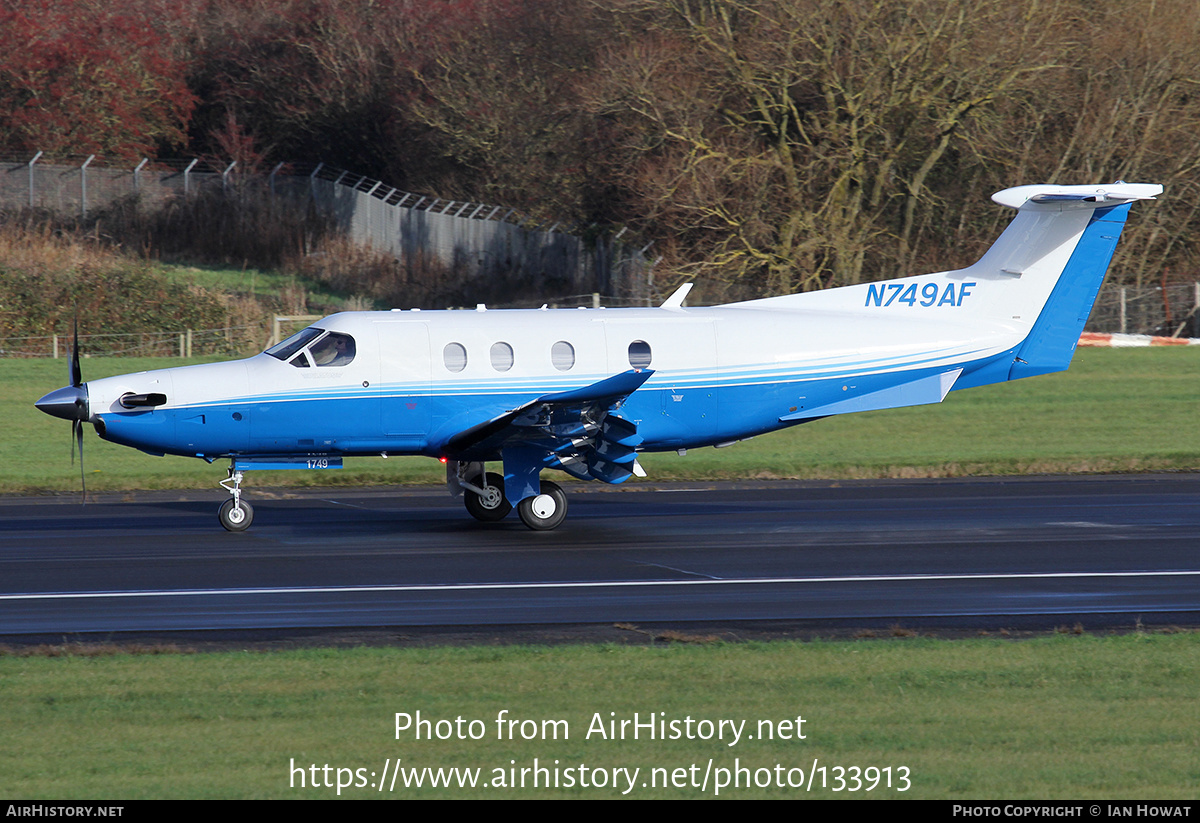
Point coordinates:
[(1070, 231), (1027, 298)]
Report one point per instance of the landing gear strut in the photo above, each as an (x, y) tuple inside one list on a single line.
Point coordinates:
[(235, 514)]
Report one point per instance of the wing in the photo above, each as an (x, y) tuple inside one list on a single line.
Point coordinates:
[(575, 431)]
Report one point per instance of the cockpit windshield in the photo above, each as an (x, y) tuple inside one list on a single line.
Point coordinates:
[(294, 343), (315, 347)]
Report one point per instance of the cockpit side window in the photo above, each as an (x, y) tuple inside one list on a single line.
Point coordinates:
[(293, 344), (335, 349)]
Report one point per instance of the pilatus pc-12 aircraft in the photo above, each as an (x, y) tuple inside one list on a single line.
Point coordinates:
[(584, 390)]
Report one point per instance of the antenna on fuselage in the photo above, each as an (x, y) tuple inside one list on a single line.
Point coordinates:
[(675, 301)]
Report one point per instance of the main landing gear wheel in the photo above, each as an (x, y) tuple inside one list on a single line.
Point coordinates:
[(236, 516), (546, 510), (491, 507)]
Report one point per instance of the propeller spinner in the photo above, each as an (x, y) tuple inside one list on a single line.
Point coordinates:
[(71, 403)]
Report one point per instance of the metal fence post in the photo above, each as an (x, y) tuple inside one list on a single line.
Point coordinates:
[(312, 186), (187, 177), (83, 184), (137, 175), (31, 162), (225, 177)]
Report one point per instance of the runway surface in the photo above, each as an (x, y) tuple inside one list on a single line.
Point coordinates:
[(850, 551)]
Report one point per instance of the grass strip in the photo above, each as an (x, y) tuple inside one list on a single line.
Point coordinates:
[(1060, 717)]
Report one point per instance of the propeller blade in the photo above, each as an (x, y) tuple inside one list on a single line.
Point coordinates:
[(78, 426), (76, 373), (71, 403)]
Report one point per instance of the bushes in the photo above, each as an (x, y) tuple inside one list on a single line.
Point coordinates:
[(48, 275)]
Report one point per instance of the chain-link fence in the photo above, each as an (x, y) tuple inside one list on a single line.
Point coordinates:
[(479, 239), (1168, 311), (483, 240), (79, 185)]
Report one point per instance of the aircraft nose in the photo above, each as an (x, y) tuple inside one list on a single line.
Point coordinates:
[(68, 403)]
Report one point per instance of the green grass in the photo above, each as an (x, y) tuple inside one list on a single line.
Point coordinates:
[(1061, 717), (1114, 410), (271, 286)]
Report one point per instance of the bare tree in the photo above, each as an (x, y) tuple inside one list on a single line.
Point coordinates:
[(788, 144)]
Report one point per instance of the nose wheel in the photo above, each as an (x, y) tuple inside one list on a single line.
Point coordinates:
[(235, 514), (544, 511)]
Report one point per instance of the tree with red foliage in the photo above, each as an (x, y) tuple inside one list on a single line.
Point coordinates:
[(79, 77)]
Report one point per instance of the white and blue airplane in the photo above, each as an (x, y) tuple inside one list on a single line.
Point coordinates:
[(584, 391)]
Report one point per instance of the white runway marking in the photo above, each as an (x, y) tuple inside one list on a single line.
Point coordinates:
[(748, 581)]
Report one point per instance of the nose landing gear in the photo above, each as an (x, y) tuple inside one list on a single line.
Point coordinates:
[(235, 514)]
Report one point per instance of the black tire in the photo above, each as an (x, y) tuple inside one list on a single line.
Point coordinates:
[(490, 509), (236, 520), (542, 514)]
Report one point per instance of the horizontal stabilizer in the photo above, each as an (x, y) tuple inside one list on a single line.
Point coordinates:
[(1113, 194), (931, 389)]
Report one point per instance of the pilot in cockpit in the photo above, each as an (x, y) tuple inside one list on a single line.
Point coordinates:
[(335, 350)]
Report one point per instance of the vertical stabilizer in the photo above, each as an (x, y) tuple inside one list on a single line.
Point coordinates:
[(1063, 238), (1052, 341)]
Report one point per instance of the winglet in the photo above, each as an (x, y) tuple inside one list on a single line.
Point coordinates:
[(675, 301)]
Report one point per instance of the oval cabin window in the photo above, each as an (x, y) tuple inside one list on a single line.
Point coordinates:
[(455, 357), (562, 355), (502, 356), (639, 354)]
